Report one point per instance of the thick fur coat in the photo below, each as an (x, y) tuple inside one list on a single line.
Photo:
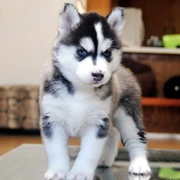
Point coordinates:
[(87, 93)]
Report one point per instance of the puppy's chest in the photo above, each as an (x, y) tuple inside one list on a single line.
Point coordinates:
[(81, 110)]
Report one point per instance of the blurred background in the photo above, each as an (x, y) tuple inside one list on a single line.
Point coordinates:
[(151, 41)]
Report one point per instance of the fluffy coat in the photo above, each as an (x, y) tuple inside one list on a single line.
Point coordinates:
[(87, 93)]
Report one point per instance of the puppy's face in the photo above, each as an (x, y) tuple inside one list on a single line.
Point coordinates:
[(88, 49)]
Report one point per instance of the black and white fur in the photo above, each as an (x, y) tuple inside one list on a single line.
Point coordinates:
[(87, 93)]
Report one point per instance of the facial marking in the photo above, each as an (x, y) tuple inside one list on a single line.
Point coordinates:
[(103, 43), (87, 44), (99, 34), (107, 43)]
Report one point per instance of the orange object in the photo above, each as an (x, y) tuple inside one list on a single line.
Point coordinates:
[(163, 102)]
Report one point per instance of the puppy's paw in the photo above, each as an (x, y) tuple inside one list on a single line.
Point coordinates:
[(80, 176), (139, 177), (55, 175), (139, 166)]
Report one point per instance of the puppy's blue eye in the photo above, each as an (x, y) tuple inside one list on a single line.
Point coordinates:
[(107, 53), (82, 53)]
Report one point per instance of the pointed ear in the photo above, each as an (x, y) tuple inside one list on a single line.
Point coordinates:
[(69, 19), (116, 19)]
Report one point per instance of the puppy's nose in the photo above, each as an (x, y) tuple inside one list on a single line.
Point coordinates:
[(97, 76)]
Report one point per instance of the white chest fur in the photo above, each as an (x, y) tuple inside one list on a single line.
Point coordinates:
[(77, 111)]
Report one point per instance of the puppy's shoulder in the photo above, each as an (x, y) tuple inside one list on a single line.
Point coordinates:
[(126, 79), (125, 85)]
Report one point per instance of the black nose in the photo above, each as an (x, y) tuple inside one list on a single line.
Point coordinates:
[(97, 76)]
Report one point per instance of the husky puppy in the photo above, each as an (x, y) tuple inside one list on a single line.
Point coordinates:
[(87, 93)]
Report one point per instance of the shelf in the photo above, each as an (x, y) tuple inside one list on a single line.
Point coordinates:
[(162, 102), (151, 50)]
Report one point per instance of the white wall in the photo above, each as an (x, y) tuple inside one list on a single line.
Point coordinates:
[(27, 32)]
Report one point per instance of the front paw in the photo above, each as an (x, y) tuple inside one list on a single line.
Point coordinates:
[(80, 175), (139, 166), (138, 177), (55, 175)]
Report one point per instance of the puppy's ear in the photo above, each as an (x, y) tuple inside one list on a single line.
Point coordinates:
[(69, 19), (116, 19)]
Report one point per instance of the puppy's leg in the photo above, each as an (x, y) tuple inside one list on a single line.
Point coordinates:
[(92, 145), (111, 149), (134, 140), (55, 141)]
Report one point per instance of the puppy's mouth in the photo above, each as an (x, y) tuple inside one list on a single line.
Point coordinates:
[(98, 83), (97, 80)]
